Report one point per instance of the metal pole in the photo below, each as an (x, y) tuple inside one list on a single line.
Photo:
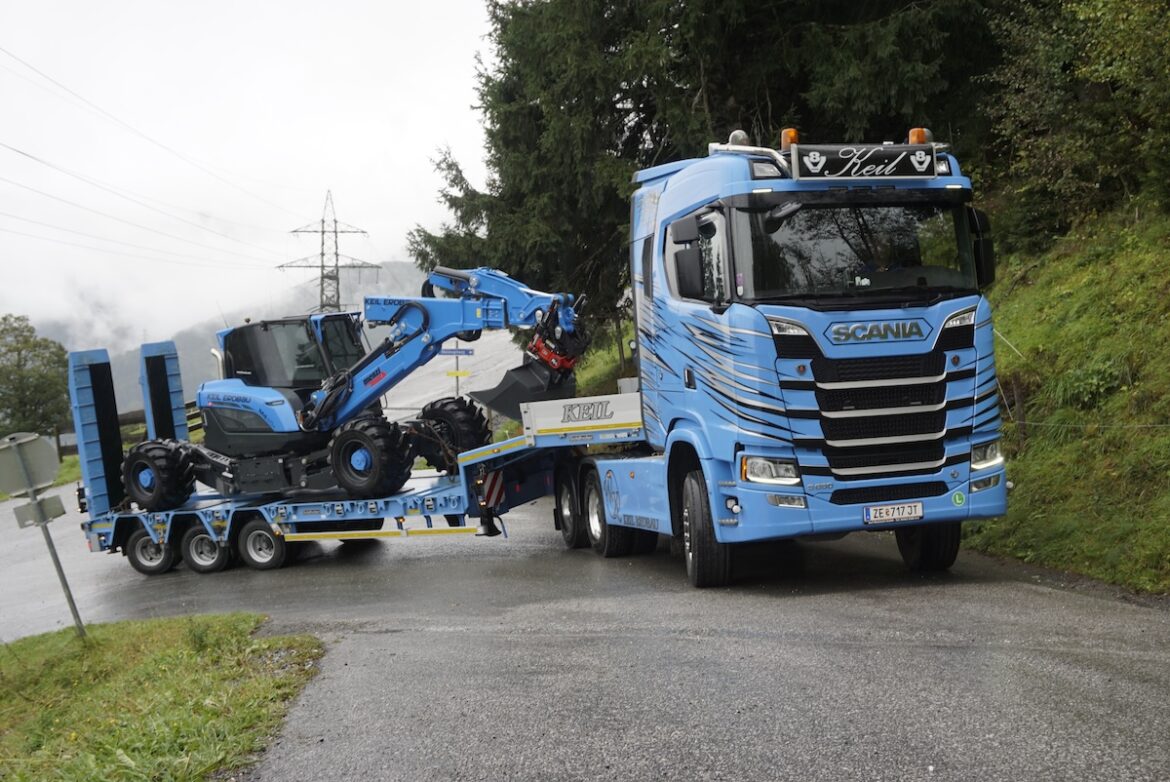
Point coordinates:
[(456, 374), (43, 523)]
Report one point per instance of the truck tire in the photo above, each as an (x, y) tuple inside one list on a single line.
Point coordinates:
[(606, 540), (708, 561), (259, 547), (157, 475), (370, 457), (202, 552), (568, 509), (929, 547), (146, 556), (454, 425)]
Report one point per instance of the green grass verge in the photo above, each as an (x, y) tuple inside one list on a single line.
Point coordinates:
[(1092, 471), (174, 699), (598, 371)]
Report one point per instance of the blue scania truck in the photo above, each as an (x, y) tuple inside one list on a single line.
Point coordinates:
[(815, 357)]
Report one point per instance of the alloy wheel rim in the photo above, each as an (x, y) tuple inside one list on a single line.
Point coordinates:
[(203, 550), (260, 546)]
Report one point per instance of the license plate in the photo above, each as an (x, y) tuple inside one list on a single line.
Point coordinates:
[(881, 514)]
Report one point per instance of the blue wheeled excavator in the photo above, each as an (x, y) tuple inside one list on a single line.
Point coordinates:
[(297, 408)]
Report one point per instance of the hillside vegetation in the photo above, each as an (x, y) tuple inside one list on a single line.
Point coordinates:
[(1089, 391)]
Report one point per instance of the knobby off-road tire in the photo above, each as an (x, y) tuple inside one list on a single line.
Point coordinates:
[(929, 547), (606, 540), (147, 557), (202, 552), (568, 508), (708, 561), (371, 457), (157, 475), (454, 425), (259, 547)]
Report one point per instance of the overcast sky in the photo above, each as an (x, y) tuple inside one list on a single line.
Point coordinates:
[(282, 101)]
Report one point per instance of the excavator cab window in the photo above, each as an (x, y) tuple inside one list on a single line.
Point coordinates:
[(341, 341), (276, 354)]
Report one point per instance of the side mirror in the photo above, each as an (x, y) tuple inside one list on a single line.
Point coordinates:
[(688, 263), (685, 231), (983, 247)]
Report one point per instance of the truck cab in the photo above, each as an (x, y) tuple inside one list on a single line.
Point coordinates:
[(815, 346)]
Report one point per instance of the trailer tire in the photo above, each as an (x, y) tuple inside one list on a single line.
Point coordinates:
[(606, 540), (568, 509), (929, 547), (452, 425), (202, 552), (259, 547), (146, 556), (708, 561), (371, 457), (157, 475)]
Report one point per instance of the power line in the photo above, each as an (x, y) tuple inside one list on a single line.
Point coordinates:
[(126, 254), (115, 191), (130, 222), (329, 259), (143, 135), (105, 238)]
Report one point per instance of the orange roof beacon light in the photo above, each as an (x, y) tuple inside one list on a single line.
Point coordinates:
[(788, 137), (920, 136)]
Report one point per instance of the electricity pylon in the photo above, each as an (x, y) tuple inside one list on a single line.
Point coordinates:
[(330, 261)]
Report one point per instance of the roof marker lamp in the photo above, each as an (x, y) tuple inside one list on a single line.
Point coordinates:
[(761, 469), (788, 137), (920, 136)]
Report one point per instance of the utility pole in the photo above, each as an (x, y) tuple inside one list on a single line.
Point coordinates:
[(330, 261)]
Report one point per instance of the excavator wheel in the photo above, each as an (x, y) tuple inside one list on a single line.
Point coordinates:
[(157, 475), (371, 457), (450, 426)]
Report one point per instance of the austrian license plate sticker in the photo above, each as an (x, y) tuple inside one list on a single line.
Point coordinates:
[(886, 514)]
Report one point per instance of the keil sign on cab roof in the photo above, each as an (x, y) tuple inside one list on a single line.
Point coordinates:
[(862, 161)]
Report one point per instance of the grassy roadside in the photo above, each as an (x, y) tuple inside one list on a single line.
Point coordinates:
[(162, 699), (1089, 447)]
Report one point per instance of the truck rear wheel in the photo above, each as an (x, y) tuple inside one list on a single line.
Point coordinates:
[(606, 540), (202, 552), (929, 547), (259, 547), (146, 556), (568, 509), (371, 457), (708, 561), (156, 475)]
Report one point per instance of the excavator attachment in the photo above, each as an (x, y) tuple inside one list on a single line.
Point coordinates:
[(532, 381)]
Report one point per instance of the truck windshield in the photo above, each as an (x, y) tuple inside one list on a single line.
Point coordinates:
[(872, 251)]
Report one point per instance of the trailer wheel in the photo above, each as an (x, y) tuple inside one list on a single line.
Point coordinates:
[(260, 548), (146, 556), (568, 509), (708, 561), (452, 425), (202, 552), (157, 475), (371, 457), (929, 547), (606, 540)]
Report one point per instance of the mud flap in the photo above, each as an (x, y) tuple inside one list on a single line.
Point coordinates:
[(529, 382)]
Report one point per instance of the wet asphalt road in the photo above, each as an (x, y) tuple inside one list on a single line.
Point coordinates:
[(457, 658)]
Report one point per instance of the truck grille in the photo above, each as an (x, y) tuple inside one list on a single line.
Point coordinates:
[(912, 424), (921, 395), (855, 370), (900, 491)]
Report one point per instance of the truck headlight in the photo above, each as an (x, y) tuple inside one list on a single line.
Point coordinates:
[(760, 469), (966, 318), (786, 328), (986, 455)]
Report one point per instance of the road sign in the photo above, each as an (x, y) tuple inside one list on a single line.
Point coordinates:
[(40, 511), (456, 351), (27, 461), (459, 373)]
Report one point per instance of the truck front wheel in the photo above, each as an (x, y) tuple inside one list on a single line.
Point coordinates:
[(929, 547), (708, 561), (606, 540)]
